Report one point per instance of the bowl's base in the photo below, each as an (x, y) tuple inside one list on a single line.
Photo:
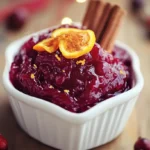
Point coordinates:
[(96, 146)]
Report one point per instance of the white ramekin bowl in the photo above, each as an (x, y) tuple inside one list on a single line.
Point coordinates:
[(59, 128)]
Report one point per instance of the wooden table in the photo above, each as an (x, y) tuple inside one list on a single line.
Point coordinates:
[(131, 34)]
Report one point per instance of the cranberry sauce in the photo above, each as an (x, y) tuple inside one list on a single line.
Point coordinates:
[(67, 83)]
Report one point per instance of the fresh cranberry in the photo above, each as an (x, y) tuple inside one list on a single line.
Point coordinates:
[(72, 86), (16, 19), (148, 34), (3, 143), (136, 5), (142, 144), (147, 26), (148, 22)]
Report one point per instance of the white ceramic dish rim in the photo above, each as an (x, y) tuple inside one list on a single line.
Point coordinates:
[(60, 112)]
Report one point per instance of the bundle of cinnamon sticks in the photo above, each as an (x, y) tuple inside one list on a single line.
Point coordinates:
[(104, 19)]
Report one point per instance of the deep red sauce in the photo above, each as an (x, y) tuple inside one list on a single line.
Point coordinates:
[(101, 77)]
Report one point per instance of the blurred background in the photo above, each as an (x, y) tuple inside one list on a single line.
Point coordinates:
[(22, 17)]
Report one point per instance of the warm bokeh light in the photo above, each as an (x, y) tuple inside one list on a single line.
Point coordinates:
[(66, 20), (80, 1)]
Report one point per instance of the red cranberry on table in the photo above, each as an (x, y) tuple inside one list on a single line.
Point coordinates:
[(136, 5), (3, 143), (148, 34), (147, 26), (16, 19), (148, 22), (142, 144)]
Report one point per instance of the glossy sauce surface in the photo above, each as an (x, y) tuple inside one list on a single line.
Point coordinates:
[(75, 85)]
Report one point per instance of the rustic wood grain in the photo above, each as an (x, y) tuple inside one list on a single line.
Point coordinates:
[(131, 34)]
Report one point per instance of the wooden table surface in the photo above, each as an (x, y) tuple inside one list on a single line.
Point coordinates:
[(131, 33)]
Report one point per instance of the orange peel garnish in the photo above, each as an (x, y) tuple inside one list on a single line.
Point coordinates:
[(50, 45), (72, 42)]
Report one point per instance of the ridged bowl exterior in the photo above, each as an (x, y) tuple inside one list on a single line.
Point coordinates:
[(60, 134), (62, 129)]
